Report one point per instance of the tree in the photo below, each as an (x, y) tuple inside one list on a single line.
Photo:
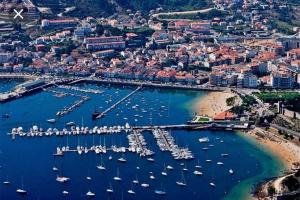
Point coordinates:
[(271, 190)]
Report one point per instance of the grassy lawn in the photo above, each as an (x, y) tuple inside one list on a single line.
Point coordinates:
[(272, 97)]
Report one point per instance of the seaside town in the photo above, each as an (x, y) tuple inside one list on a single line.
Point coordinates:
[(235, 49)]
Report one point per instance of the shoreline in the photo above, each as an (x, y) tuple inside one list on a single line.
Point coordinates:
[(213, 103), (285, 151)]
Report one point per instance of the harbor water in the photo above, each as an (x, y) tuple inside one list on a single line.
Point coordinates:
[(28, 162)]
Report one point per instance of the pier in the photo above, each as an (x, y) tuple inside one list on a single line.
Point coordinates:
[(102, 114), (138, 144), (92, 91), (166, 142), (76, 130), (69, 109)]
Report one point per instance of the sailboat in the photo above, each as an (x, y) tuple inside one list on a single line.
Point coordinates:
[(198, 164), (160, 192), (101, 166), (182, 181), (90, 194), (110, 189), (164, 173), (212, 184), (122, 159), (117, 178), (21, 190), (169, 167), (136, 181), (7, 182), (131, 191), (52, 121)]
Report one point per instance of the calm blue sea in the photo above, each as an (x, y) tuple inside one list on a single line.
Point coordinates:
[(31, 159)]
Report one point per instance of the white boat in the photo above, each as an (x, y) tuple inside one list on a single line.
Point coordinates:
[(62, 179), (152, 177), (117, 178), (131, 191), (224, 154), (212, 184), (88, 178), (169, 167), (6, 182), (101, 166), (136, 181), (164, 173), (204, 140), (198, 173), (231, 171), (90, 194), (160, 192), (150, 159), (70, 123), (220, 163), (21, 191), (54, 168), (208, 160), (145, 185), (51, 120), (122, 159), (110, 158), (182, 181), (110, 189), (65, 192)]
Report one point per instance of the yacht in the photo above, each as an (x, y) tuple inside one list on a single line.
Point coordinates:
[(198, 173), (159, 192), (182, 181), (136, 181), (231, 171), (117, 178), (54, 168), (145, 185), (101, 166), (169, 167), (51, 121), (204, 140), (90, 194), (220, 163), (110, 189), (150, 159), (65, 192), (212, 184), (21, 191), (224, 154), (70, 123), (62, 179), (131, 191)]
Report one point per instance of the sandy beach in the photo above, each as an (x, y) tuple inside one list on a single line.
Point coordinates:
[(286, 151), (213, 103)]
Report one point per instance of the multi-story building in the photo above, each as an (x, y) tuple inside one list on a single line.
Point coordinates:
[(282, 79), (102, 43), (58, 23)]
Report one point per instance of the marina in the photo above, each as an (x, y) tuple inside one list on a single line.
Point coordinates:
[(109, 157)]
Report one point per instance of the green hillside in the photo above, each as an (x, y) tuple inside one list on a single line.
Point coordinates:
[(100, 8)]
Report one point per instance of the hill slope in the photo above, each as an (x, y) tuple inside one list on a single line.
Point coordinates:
[(100, 8)]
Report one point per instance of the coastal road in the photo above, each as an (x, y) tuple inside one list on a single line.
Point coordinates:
[(157, 15), (289, 131)]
